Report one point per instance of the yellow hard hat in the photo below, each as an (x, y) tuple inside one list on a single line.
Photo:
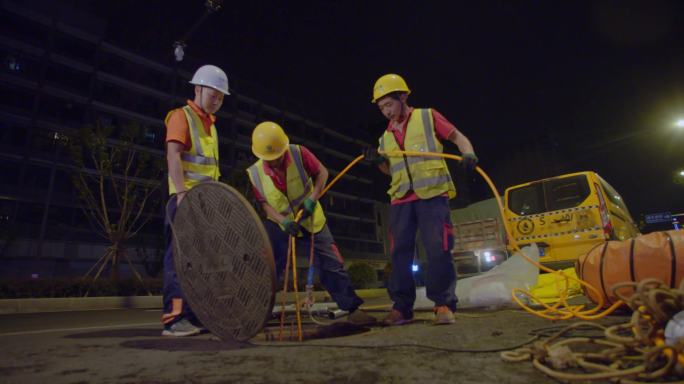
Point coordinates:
[(388, 84), (269, 141)]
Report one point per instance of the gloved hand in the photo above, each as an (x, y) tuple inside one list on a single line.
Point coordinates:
[(371, 154), (309, 207), (469, 161), (291, 227)]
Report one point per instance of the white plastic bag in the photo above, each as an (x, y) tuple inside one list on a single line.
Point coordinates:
[(493, 288)]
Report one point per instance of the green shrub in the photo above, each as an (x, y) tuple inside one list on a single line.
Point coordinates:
[(362, 275), (76, 287)]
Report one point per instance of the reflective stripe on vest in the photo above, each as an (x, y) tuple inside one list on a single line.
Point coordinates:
[(196, 176), (197, 159), (421, 183), (299, 187), (200, 163), (426, 176)]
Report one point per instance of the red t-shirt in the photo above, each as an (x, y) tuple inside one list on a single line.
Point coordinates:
[(311, 166), (443, 129)]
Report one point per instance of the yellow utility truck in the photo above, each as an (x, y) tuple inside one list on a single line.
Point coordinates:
[(566, 216)]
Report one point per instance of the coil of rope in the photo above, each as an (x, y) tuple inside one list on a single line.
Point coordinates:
[(632, 352)]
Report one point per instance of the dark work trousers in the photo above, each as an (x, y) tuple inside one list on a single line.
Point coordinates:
[(171, 289), (327, 259), (431, 217)]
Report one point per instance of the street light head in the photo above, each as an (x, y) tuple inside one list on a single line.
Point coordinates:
[(178, 50)]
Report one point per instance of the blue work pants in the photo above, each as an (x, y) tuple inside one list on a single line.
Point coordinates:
[(171, 288), (327, 259), (431, 217)]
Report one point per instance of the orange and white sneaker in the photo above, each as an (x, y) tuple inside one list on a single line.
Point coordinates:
[(444, 315), (395, 318)]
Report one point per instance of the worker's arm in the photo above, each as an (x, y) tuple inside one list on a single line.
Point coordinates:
[(461, 141), (272, 213), (289, 226), (173, 161), (469, 160), (371, 154), (319, 182)]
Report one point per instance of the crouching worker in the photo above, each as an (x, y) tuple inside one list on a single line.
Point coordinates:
[(285, 179)]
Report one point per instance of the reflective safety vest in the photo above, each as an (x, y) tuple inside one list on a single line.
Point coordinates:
[(201, 162), (426, 176), (299, 187)]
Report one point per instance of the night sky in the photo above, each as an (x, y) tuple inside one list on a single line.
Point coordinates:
[(583, 85)]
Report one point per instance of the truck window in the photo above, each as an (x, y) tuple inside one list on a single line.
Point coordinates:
[(549, 195), (565, 193), (527, 200)]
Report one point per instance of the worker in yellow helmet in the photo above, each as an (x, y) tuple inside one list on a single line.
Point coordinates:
[(285, 179), (192, 158), (419, 192)]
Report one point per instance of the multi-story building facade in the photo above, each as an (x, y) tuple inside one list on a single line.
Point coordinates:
[(57, 77)]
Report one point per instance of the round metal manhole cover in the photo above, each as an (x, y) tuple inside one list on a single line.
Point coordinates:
[(224, 261)]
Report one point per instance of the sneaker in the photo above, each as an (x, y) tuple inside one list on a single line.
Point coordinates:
[(180, 328), (395, 318), (200, 326), (444, 315), (359, 317)]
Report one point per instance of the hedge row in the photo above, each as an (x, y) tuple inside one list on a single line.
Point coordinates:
[(77, 287), (361, 274)]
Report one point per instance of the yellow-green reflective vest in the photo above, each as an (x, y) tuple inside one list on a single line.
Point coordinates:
[(426, 176), (299, 187), (201, 162)]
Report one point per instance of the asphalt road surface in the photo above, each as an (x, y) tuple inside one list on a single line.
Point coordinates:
[(126, 346)]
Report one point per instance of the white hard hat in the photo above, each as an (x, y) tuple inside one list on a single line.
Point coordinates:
[(211, 76)]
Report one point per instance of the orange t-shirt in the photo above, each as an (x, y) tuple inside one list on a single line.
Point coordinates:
[(177, 125)]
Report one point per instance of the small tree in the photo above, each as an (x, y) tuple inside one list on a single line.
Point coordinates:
[(115, 181), (362, 275)]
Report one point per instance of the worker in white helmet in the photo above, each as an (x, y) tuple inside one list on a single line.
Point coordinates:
[(192, 158)]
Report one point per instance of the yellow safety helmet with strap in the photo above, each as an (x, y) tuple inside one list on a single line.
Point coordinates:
[(387, 84), (269, 141)]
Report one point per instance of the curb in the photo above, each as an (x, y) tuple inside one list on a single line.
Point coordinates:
[(64, 304)]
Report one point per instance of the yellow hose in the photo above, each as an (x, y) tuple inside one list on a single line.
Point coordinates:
[(561, 310)]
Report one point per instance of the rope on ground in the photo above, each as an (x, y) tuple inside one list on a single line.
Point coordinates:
[(631, 352)]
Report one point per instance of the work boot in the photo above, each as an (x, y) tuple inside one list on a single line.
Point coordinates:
[(444, 315), (359, 317), (181, 328), (395, 318)]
